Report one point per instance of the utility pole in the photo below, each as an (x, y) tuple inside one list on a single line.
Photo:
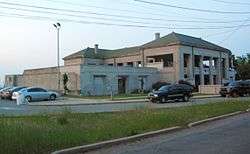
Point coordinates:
[(58, 26)]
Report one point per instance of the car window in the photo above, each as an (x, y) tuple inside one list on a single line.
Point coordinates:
[(32, 90), (163, 88), (23, 90), (36, 90), (173, 87), (41, 90), (233, 83)]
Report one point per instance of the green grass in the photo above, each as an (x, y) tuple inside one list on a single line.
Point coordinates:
[(47, 133), (116, 97)]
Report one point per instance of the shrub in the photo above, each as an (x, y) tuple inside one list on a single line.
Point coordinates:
[(62, 120)]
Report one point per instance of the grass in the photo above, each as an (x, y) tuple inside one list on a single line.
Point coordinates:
[(116, 97), (47, 133)]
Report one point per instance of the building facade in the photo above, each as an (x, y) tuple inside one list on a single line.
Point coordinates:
[(174, 57)]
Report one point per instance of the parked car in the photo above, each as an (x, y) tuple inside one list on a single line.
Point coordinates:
[(9, 93), (171, 92), (2, 92), (237, 88), (37, 94)]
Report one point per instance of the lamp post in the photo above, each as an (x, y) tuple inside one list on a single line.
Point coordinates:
[(58, 26)]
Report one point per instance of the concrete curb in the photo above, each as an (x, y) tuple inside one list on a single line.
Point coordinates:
[(110, 102), (85, 148), (214, 118), (102, 103)]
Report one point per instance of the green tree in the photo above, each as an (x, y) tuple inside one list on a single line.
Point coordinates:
[(242, 65), (65, 83)]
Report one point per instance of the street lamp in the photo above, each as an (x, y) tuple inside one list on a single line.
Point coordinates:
[(58, 26)]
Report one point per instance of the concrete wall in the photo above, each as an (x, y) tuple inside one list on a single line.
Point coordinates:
[(167, 74), (124, 59), (47, 78), (91, 77), (209, 89), (76, 61)]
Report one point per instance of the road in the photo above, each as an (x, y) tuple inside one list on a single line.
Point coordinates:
[(10, 108), (228, 136)]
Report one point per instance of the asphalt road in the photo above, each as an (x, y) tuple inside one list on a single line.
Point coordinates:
[(228, 136), (10, 108)]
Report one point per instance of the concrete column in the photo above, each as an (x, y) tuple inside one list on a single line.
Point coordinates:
[(232, 61), (227, 68), (135, 64), (190, 65), (181, 66), (201, 70), (218, 68), (211, 79)]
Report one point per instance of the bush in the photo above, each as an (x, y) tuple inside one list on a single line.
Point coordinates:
[(139, 91), (62, 120), (159, 84)]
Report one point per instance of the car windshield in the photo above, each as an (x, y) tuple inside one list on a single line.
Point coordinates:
[(233, 84), (23, 90), (163, 88)]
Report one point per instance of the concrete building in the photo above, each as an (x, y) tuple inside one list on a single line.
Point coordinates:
[(174, 57)]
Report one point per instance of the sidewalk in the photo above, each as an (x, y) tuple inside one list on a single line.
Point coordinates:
[(78, 101)]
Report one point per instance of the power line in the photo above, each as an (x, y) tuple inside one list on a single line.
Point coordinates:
[(84, 12), (72, 15), (235, 30), (112, 24), (103, 14), (124, 10), (105, 8), (216, 34), (191, 9), (227, 2)]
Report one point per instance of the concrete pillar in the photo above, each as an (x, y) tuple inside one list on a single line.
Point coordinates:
[(211, 79), (181, 66), (201, 70), (135, 64), (218, 69), (227, 68), (190, 65)]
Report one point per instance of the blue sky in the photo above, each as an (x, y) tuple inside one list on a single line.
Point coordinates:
[(31, 43)]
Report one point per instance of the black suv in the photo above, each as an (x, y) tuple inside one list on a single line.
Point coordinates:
[(171, 92), (237, 88)]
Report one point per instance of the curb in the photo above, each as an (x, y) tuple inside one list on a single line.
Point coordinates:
[(85, 148), (214, 118), (111, 102), (102, 103)]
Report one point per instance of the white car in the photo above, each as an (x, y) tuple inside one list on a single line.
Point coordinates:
[(36, 94)]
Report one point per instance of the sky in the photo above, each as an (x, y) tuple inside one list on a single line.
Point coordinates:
[(28, 38)]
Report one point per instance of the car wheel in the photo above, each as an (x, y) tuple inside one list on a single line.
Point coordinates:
[(28, 98), (234, 94), (185, 98), (223, 95), (162, 100), (52, 97)]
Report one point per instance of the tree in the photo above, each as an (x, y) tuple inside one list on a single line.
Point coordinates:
[(65, 83), (242, 65)]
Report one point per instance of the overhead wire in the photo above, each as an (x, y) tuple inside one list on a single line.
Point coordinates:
[(104, 14), (230, 2), (16, 15), (192, 9)]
